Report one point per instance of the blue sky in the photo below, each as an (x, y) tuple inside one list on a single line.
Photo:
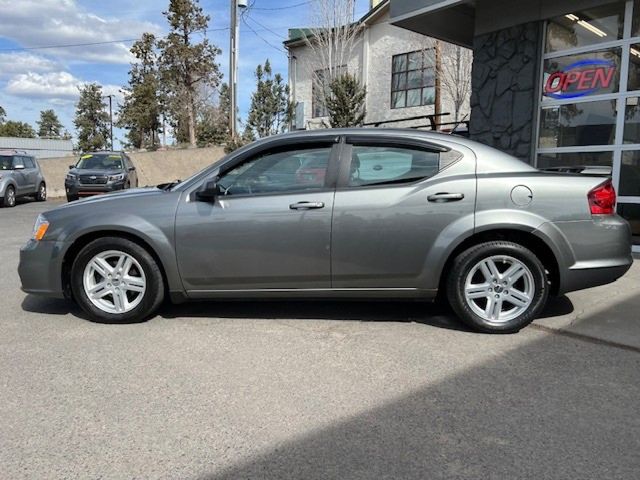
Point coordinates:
[(34, 79)]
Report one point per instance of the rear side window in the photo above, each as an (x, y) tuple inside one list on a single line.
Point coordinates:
[(380, 165)]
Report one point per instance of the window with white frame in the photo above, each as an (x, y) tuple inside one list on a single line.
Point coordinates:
[(590, 97)]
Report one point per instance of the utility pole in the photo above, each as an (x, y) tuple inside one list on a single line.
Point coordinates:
[(110, 117), (234, 40)]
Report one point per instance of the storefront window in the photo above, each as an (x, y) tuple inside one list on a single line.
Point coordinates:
[(630, 174), (586, 123), (588, 27), (631, 211), (632, 120), (634, 66), (575, 76), (599, 159)]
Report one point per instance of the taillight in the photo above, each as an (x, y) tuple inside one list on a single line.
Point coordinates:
[(602, 199)]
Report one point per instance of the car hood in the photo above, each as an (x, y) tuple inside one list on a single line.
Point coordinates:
[(131, 194), (96, 172)]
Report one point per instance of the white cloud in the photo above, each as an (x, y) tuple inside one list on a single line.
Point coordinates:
[(35, 23), (19, 62), (59, 86)]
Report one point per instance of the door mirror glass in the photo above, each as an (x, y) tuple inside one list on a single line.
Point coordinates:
[(209, 191)]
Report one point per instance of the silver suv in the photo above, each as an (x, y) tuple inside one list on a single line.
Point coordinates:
[(20, 176)]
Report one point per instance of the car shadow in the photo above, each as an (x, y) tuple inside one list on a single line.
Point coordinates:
[(434, 314)]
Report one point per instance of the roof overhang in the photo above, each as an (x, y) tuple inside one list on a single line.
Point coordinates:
[(449, 20)]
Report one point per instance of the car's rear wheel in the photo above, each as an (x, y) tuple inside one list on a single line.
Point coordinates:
[(9, 199), (116, 280), (497, 287), (41, 196)]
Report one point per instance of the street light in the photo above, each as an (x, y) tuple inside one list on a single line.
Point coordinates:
[(234, 34), (110, 117)]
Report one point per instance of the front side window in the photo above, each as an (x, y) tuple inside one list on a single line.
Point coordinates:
[(413, 79), (380, 165), (28, 162), (587, 27), (278, 172)]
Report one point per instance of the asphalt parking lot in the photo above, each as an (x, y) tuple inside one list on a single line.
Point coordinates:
[(315, 390)]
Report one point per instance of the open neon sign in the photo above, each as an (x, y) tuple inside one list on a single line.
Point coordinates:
[(580, 78)]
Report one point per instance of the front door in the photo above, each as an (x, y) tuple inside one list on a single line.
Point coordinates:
[(394, 204), (269, 228)]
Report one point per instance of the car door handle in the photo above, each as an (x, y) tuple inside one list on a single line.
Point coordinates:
[(306, 205), (445, 197)]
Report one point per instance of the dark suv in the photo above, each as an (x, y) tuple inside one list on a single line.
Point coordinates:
[(20, 176), (100, 172)]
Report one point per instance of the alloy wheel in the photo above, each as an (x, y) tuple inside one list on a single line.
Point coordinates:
[(11, 197), (114, 282), (499, 288)]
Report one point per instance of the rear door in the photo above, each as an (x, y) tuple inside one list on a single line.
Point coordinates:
[(31, 174), (393, 202)]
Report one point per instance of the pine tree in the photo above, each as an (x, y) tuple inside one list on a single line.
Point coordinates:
[(140, 113), (270, 109), (186, 65), (346, 102), (3, 115), (11, 128), (91, 120), (49, 126)]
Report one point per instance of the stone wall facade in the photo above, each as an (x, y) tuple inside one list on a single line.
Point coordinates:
[(503, 99)]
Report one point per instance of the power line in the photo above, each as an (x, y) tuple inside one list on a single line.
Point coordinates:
[(89, 44), (261, 37), (264, 26), (282, 8)]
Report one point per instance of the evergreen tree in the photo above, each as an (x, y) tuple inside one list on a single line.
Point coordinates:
[(49, 126), (346, 102), (3, 115), (91, 120), (12, 128), (140, 113), (185, 64), (270, 109)]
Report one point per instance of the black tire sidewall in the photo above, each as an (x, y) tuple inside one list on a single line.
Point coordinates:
[(154, 290), (39, 197), (469, 258)]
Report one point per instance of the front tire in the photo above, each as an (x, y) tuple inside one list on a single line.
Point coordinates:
[(72, 198), (497, 287), (115, 280), (41, 196), (9, 199)]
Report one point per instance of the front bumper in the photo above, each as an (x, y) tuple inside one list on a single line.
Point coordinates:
[(40, 268), (75, 189)]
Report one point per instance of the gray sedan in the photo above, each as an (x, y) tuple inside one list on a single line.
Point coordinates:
[(339, 214)]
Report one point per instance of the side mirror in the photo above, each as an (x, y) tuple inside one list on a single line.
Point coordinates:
[(209, 191), (132, 169), (71, 167), (19, 167)]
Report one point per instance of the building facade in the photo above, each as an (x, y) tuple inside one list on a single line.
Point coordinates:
[(38, 147), (555, 83), (396, 65)]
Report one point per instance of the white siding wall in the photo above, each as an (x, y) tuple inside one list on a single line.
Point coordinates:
[(38, 147)]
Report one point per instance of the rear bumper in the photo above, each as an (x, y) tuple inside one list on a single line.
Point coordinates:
[(40, 268), (595, 252)]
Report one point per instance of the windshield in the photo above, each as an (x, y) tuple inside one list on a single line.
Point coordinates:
[(6, 162), (100, 162)]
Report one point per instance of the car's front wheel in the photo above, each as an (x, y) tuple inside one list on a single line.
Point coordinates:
[(41, 196), (9, 199), (116, 280), (497, 287)]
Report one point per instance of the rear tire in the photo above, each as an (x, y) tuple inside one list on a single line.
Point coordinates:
[(115, 280), (497, 287), (41, 196), (9, 199)]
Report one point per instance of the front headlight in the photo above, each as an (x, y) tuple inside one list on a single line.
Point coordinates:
[(116, 178), (71, 176), (40, 228)]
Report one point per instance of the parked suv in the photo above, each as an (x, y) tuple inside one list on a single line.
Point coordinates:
[(100, 172), (20, 176)]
